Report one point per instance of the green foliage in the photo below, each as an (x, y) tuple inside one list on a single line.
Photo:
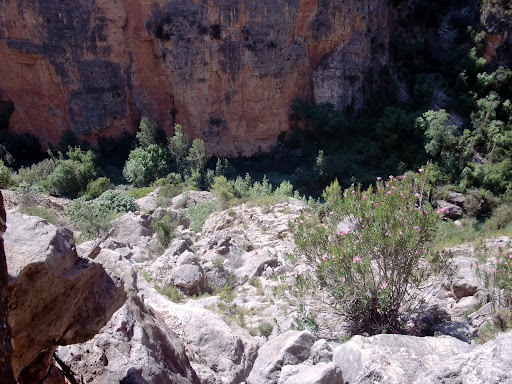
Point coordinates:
[(137, 193), (164, 225), (72, 174), (332, 194), (196, 161), (265, 329), (223, 168), (116, 201), (197, 158), (171, 187), (261, 189), (197, 214), (284, 190), (149, 133), (145, 165), (178, 146), (42, 212), (172, 292), (370, 267), (223, 190), (97, 187), (6, 179), (499, 278), (89, 217)]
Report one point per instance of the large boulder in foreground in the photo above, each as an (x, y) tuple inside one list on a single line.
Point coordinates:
[(395, 358), (5, 330), (136, 346), (55, 297), (220, 351), (426, 360), (290, 348)]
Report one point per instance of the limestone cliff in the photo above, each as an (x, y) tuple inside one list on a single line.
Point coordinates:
[(227, 70)]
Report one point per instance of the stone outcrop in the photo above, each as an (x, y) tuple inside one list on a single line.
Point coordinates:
[(290, 348), (55, 297), (408, 359), (5, 330), (135, 346), (226, 70), (394, 358)]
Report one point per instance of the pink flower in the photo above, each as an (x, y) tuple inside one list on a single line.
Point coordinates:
[(343, 279), (365, 197), (356, 242), (356, 259), (301, 221), (416, 228), (346, 231), (510, 256), (384, 285), (379, 178), (390, 192), (330, 213), (391, 177), (417, 194), (421, 170), (298, 271), (386, 234), (400, 233), (324, 257)]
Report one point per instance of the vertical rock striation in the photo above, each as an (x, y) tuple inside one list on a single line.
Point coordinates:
[(227, 70), (5, 331), (55, 297)]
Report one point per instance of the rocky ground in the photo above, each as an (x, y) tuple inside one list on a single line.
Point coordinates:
[(104, 312)]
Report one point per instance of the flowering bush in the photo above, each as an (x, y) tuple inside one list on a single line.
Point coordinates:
[(499, 279), (366, 258)]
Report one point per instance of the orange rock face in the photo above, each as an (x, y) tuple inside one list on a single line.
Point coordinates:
[(227, 70)]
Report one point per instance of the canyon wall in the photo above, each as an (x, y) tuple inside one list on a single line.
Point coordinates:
[(227, 70)]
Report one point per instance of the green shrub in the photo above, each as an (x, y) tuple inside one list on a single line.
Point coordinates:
[(478, 203), (223, 190), (284, 190), (178, 146), (28, 194), (89, 217), (171, 178), (265, 329), (369, 268), (164, 225), (42, 212), (149, 133), (72, 175), (242, 186), (197, 214), (145, 165), (261, 189), (499, 279), (167, 193), (36, 173), (96, 187), (172, 292), (137, 193), (6, 179), (117, 201)]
